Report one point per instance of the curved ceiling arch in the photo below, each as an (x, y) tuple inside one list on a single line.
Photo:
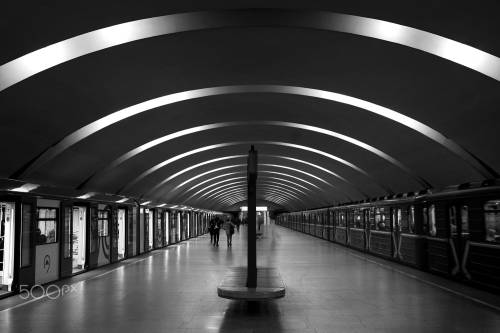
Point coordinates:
[(224, 168), (221, 145), (379, 110), (260, 185), (45, 58), (273, 173), (200, 196), (153, 143), (285, 197), (244, 172), (295, 184), (192, 167), (241, 178)]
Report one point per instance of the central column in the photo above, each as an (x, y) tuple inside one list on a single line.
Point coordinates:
[(251, 203)]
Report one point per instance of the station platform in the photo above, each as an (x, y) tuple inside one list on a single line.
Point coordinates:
[(329, 289)]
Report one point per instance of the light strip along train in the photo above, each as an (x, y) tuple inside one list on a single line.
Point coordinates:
[(455, 232)]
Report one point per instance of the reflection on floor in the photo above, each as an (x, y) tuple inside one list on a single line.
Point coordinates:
[(329, 289)]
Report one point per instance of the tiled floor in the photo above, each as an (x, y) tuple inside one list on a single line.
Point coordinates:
[(329, 289)]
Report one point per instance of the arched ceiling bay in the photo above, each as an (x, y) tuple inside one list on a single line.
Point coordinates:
[(443, 128)]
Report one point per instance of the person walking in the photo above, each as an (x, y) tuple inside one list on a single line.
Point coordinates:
[(238, 222), (217, 226), (229, 228), (211, 229)]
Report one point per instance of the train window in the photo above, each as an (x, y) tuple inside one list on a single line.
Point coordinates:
[(411, 220), (342, 219), (102, 223), (492, 220), (425, 220), (399, 219), (358, 222), (432, 220), (46, 231), (464, 214)]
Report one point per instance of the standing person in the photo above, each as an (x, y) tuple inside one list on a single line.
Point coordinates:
[(211, 229), (238, 222), (217, 226), (229, 228)]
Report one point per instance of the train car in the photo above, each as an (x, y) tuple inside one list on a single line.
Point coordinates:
[(45, 238), (455, 232), (468, 222)]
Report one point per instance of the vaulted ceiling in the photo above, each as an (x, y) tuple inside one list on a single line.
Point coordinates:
[(161, 100)]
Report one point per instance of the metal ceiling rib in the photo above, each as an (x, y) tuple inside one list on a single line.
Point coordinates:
[(45, 58), (379, 110), (162, 183)]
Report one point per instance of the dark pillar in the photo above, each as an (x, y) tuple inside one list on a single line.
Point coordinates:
[(251, 202)]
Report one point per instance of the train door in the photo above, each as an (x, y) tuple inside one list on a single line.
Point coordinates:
[(167, 227), (122, 213), (150, 222), (104, 218), (459, 234), (7, 238), (366, 223), (142, 233), (158, 229), (93, 237), (396, 215), (78, 239)]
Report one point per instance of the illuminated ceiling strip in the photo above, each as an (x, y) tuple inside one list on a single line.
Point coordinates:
[(277, 197), (157, 186), (284, 202), (174, 159), (290, 176), (213, 178), (224, 190), (226, 187), (230, 200), (52, 55), (240, 200), (241, 192), (284, 185), (286, 181), (232, 157), (214, 184), (282, 174), (243, 165), (275, 180), (214, 91), (198, 176), (226, 144), (279, 189), (233, 191), (163, 182), (197, 129), (308, 163), (219, 188), (260, 186), (260, 190), (297, 170), (194, 167)]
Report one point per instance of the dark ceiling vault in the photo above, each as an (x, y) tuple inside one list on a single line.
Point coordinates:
[(341, 105)]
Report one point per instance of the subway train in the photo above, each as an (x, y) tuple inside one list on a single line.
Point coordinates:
[(44, 239), (454, 232)]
